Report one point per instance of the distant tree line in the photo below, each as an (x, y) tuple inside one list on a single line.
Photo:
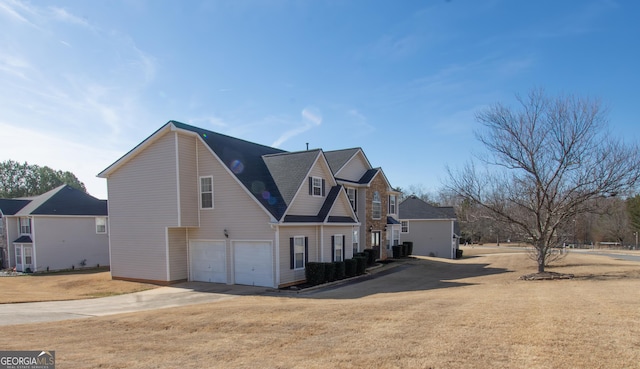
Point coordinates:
[(23, 179)]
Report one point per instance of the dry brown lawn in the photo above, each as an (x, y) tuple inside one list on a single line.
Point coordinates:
[(64, 286), (470, 313)]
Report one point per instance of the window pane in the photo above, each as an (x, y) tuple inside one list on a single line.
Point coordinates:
[(207, 200), (299, 260)]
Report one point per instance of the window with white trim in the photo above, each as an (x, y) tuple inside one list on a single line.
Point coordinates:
[(392, 204), (376, 206), (101, 225), (405, 226), (396, 237), (206, 192), (338, 246), (352, 193), (25, 225), (317, 186), (298, 252)]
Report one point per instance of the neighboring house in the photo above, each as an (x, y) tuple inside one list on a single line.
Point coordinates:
[(433, 230), (371, 197), (191, 204), (60, 229)]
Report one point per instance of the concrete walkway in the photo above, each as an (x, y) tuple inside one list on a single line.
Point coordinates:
[(183, 294)]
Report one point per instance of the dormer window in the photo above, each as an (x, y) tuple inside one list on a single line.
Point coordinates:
[(316, 186), (25, 225)]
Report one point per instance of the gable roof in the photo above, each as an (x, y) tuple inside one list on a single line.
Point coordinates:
[(64, 200), (12, 206), (289, 170), (338, 158), (323, 214), (415, 208), (245, 160)]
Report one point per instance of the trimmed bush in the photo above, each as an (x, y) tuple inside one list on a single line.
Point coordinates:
[(371, 256), (315, 273), (459, 254), (396, 251), (339, 270), (361, 266), (329, 272), (350, 267)]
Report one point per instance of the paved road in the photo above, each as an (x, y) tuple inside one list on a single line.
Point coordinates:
[(164, 297)]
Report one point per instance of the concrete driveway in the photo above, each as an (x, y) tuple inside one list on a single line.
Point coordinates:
[(164, 297)]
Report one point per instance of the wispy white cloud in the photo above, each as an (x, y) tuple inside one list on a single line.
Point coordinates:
[(71, 95), (311, 117), (362, 126)]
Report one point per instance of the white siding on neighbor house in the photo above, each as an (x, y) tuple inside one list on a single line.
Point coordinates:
[(233, 209), (142, 204), (430, 237), (306, 204), (63, 242), (178, 259), (354, 169), (188, 168)]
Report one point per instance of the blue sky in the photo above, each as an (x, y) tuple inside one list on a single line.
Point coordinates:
[(82, 82)]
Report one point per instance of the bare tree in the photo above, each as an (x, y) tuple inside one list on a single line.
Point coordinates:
[(546, 161)]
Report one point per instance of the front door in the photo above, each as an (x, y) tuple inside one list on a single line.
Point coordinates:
[(375, 242), (24, 258)]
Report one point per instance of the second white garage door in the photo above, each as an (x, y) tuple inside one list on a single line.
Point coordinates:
[(253, 263), (208, 261)]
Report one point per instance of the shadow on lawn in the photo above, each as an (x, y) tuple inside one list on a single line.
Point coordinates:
[(410, 275)]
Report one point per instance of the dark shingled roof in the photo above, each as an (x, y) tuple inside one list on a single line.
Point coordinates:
[(338, 158), (23, 239), (12, 206), (415, 208), (245, 160), (289, 170), (65, 200), (392, 220)]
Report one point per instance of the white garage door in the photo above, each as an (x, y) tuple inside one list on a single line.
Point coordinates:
[(253, 263), (208, 261)]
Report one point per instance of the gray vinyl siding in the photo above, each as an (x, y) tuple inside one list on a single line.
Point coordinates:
[(342, 207), (64, 242), (306, 204), (178, 260), (233, 209), (430, 237), (354, 169), (188, 180), (142, 203)]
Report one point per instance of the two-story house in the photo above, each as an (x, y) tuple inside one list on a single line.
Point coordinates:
[(192, 204), (371, 197), (60, 229)]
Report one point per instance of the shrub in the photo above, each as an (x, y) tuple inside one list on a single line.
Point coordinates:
[(350, 267), (361, 266), (329, 272), (315, 273), (339, 270), (371, 256)]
